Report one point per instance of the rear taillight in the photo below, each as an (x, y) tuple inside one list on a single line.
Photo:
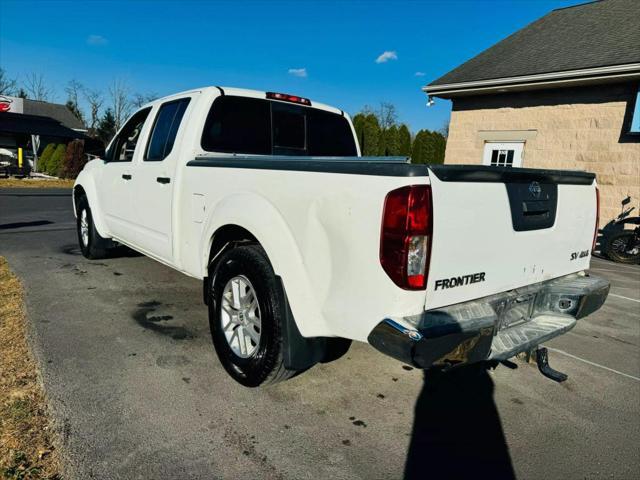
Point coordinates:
[(595, 232), (405, 240)]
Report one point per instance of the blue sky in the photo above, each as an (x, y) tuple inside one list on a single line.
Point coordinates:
[(323, 50)]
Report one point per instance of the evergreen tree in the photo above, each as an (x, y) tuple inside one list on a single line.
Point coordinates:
[(390, 143), (45, 156), (358, 126), (55, 163), (418, 153), (107, 126), (404, 141), (428, 147), (440, 145), (372, 134)]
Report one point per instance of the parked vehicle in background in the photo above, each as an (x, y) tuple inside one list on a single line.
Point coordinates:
[(624, 246), (302, 245)]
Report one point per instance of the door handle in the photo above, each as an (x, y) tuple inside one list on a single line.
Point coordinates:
[(163, 179), (126, 176)]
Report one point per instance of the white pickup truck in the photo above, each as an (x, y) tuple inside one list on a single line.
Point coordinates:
[(304, 245)]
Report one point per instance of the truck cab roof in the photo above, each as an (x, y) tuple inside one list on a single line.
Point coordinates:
[(238, 92)]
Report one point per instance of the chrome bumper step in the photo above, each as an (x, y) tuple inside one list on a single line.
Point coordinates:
[(493, 328)]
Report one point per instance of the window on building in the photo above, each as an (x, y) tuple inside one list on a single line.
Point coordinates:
[(635, 116), (165, 129), (503, 154)]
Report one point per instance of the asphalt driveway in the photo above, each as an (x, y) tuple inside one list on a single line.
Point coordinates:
[(137, 391)]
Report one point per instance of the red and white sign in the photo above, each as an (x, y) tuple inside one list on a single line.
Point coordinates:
[(11, 104)]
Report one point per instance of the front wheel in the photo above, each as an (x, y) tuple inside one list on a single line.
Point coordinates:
[(623, 247), (92, 245), (246, 315)]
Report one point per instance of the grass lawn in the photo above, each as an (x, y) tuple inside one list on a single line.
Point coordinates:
[(26, 435), (35, 183)]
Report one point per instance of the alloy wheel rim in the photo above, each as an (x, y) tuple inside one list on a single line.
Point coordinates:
[(84, 227), (240, 317)]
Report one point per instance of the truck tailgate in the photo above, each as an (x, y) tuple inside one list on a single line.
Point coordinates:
[(496, 229)]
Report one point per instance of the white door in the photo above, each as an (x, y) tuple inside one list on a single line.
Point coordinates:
[(155, 179), (117, 177), (503, 154)]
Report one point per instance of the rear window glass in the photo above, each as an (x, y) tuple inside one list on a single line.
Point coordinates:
[(238, 125), (257, 126), (289, 127)]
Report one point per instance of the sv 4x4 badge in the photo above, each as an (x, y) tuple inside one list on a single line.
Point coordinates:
[(576, 255)]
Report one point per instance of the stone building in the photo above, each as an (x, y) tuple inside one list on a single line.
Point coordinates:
[(561, 93)]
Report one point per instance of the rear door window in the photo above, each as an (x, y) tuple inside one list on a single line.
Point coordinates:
[(257, 126), (165, 129)]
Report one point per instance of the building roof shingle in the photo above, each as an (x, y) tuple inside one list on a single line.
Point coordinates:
[(53, 110), (596, 34)]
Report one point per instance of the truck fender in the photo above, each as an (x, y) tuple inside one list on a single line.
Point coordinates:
[(258, 216), (86, 181)]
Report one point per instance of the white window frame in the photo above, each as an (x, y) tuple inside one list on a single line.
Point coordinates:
[(517, 147)]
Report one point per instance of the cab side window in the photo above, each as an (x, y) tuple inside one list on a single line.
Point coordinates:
[(124, 145), (165, 129)]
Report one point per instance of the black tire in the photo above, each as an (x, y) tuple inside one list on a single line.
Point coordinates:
[(95, 246), (266, 364), (615, 248)]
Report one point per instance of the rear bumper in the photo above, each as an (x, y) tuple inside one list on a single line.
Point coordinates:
[(492, 328)]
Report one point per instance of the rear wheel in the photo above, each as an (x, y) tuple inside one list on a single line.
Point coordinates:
[(247, 311), (92, 245)]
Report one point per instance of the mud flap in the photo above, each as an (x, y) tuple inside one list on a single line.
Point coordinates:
[(300, 353)]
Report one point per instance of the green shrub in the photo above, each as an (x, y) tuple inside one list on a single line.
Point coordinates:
[(56, 160), (44, 158)]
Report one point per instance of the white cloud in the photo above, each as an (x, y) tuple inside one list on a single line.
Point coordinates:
[(419, 74), (96, 40), (298, 72), (386, 56)]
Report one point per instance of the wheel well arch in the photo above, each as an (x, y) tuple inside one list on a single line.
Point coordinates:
[(78, 192), (225, 237)]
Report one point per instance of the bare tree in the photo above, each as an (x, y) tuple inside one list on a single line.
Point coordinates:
[(74, 89), (37, 88), (95, 100), (387, 115), (140, 99), (120, 103), (7, 85), (445, 129)]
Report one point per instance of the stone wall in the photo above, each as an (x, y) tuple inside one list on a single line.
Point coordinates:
[(568, 128)]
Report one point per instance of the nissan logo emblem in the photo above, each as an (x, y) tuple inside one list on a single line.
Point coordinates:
[(535, 190)]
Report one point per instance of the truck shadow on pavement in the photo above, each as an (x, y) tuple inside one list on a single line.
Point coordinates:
[(457, 431)]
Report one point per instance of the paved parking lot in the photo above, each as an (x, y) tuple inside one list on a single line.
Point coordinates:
[(137, 391)]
